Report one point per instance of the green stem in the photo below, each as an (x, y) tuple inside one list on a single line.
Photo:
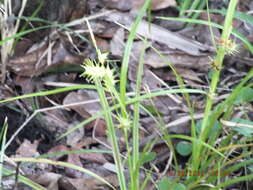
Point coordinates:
[(127, 52), (112, 136), (215, 79), (135, 129)]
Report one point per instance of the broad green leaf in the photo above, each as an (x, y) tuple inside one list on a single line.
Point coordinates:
[(246, 95), (179, 186), (164, 184), (246, 131), (214, 129), (168, 184), (147, 157), (250, 168), (184, 148)]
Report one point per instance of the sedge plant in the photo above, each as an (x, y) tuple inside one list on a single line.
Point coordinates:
[(204, 157), (100, 73), (218, 60), (204, 144)]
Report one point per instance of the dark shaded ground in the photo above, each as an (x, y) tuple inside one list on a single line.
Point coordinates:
[(33, 131)]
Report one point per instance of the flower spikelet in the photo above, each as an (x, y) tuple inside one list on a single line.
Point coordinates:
[(93, 71), (98, 71), (124, 123), (230, 47)]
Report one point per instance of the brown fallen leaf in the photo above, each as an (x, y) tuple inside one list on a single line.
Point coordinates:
[(56, 120), (177, 59), (156, 4), (92, 106), (99, 126), (43, 59), (159, 34), (86, 184), (121, 5), (75, 136), (186, 73), (151, 58), (117, 43), (28, 149), (102, 44), (78, 9), (49, 180), (76, 158)]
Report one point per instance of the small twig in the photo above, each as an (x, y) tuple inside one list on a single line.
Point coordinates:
[(16, 176)]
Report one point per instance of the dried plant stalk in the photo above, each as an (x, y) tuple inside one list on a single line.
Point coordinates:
[(9, 28)]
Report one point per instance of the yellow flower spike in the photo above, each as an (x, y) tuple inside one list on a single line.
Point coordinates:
[(97, 71), (230, 47), (93, 70)]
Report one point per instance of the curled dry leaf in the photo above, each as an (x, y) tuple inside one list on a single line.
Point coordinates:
[(43, 59), (28, 149)]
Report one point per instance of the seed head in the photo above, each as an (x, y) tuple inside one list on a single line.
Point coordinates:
[(98, 71), (124, 123), (230, 47)]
